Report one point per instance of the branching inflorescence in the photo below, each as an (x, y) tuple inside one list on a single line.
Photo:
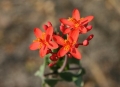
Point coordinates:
[(67, 43)]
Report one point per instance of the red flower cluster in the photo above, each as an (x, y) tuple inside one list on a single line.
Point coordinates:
[(72, 28)]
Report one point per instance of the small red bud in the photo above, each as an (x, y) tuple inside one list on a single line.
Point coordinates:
[(85, 42), (49, 23), (77, 45), (51, 64), (90, 37), (49, 51), (51, 57), (69, 55), (89, 27), (54, 57), (45, 27)]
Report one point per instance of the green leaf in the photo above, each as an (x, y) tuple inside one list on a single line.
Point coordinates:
[(40, 72), (76, 78), (81, 72), (79, 81), (67, 76), (51, 82), (74, 61)]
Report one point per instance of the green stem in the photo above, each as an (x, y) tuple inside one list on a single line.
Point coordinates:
[(63, 66)]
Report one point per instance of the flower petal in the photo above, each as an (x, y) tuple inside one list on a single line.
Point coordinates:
[(85, 42), (49, 24), (74, 34), (34, 46), (52, 45), (75, 53), (87, 20), (66, 22), (37, 32), (45, 27), (83, 30), (89, 27), (66, 31), (90, 37), (43, 51), (76, 14), (62, 52), (62, 28), (49, 33), (58, 39)]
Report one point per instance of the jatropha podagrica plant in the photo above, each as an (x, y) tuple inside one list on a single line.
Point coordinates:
[(66, 43)]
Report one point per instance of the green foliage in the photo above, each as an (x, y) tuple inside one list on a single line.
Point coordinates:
[(65, 75), (76, 78), (51, 82), (40, 72), (78, 81), (74, 61)]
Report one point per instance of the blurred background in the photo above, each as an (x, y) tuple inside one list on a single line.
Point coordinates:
[(18, 18)]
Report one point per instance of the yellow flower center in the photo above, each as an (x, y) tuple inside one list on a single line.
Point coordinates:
[(68, 45), (41, 40), (76, 22), (43, 36)]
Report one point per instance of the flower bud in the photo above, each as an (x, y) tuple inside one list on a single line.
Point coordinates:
[(49, 24), (85, 42), (54, 57), (51, 64), (49, 51), (89, 27), (45, 27), (90, 37)]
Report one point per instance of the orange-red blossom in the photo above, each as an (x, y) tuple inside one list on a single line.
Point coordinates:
[(68, 45), (43, 41), (72, 28), (75, 22)]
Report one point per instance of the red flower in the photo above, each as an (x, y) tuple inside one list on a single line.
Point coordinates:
[(68, 45), (75, 22), (43, 41)]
